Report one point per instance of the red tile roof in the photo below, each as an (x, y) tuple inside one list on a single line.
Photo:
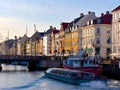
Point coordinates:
[(117, 8), (105, 19), (55, 31), (64, 24)]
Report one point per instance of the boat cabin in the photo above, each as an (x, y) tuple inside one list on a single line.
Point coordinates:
[(89, 61)]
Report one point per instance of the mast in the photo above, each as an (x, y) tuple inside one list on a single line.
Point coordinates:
[(35, 28)]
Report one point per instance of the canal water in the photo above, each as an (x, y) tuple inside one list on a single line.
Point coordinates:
[(19, 78)]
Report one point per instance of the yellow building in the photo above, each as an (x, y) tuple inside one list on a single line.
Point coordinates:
[(68, 41), (74, 41), (62, 36), (28, 47)]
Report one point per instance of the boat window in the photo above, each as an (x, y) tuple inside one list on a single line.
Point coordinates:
[(85, 61), (74, 75), (94, 62), (90, 61), (76, 62), (82, 62)]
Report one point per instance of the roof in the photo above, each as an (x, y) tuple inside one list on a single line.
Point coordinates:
[(55, 31), (9, 43), (105, 19), (37, 35), (73, 23), (65, 25), (117, 8)]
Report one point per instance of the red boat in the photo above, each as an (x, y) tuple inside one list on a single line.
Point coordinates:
[(87, 64)]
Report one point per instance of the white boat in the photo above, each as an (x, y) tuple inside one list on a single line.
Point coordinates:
[(69, 76)]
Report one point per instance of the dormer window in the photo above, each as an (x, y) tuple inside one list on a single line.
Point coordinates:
[(88, 23), (91, 21), (99, 21), (74, 27)]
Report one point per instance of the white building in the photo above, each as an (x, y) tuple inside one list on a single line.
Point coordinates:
[(116, 30), (96, 36), (82, 22), (45, 44)]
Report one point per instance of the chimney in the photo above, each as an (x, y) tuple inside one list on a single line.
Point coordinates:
[(81, 14), (102, 14), (51, 27), (107, 12), (54, 28), (89, 12), (93, 13)]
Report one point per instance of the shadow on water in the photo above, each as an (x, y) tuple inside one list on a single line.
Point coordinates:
[(20, 79)]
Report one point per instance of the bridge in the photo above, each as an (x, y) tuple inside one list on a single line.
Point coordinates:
[(32, 62)]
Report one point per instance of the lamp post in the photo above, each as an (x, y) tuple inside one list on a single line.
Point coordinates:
[(15, 45)]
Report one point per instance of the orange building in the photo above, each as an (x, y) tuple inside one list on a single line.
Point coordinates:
[(68, 40), (74, 42), (54, 31), (62, 36)]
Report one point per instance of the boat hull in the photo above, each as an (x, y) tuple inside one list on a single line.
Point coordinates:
[(62, 78), (69, 76), (97, 70)]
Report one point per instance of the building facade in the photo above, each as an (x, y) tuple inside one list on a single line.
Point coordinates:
[(61, 42), (116, 30), (96, 36)]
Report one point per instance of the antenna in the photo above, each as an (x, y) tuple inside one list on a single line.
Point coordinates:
[(35, 28), (26, 29), (8, 34)]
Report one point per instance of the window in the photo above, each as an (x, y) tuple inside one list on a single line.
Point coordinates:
[(108, 31), (98, 31), (119, 14), (98, 41), (119, 49), (109, 40), (118, 36), (97, 51), (108, 50), (114, 50), (115, 16)]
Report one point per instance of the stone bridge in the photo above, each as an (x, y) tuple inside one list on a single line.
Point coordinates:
[(33, 62)]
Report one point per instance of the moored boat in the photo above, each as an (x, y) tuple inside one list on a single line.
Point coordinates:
[(69, 76), (89, 63), (112, 69)]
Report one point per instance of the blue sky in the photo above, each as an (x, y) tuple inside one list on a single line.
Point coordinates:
[(16, 14)]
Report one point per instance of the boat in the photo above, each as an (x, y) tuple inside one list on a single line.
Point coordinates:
[(69, 76), (85, 63), (112, 69)]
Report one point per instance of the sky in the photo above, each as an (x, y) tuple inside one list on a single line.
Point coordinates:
[(16, 15)]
